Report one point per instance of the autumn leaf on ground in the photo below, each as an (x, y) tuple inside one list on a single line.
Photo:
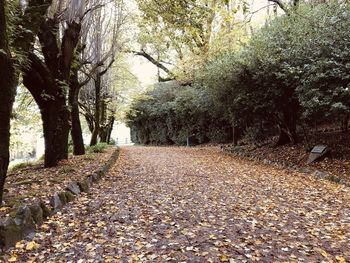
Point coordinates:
[(31, 245), (143, 210)]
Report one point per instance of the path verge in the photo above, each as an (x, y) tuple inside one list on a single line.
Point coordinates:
[(24, 219)]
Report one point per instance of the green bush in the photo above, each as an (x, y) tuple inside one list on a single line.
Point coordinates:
[(111, 141), (170, 113), (294, 71), (98, 148)]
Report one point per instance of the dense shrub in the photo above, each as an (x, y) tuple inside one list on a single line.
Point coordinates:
[(294, 71), (171, 113)]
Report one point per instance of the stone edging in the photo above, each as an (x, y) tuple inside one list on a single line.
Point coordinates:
[(239, 152), (28, 218)]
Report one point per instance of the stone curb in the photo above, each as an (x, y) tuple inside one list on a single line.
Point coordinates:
[(24, 223), (285, 165)]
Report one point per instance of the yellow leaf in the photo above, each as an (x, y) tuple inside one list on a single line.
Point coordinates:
[(212, 237), (324, 253), (89, 247), (100, 224), (340, 259), (224, 258), (31, 245), (12, 259), (45, 226), (19, 245)]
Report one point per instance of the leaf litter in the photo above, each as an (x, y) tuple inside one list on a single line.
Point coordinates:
[(177, 204)]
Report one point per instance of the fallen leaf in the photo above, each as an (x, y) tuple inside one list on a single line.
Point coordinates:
[(224, 258), (12, 259), (340, 259), (31, 245)]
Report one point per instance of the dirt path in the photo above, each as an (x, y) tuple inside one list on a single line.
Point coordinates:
[(197, 205)]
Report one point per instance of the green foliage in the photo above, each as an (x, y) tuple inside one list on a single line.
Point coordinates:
[(170, 113), (295, 70), (98, 148), (111, 141), (324, 90)]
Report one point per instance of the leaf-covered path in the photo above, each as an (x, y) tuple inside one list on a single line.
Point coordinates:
[(197, 205)]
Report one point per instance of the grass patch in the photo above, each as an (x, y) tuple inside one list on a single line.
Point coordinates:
[(98, 148), (20, 166)]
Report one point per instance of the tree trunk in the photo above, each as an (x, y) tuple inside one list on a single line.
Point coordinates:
[(53, 109), (103, 133), (77, 134), (345, 123), (287, 129), (56, 129), (90, 122), (97, 110), (7, 94), (283, 137), (235, 135), (110, 128)]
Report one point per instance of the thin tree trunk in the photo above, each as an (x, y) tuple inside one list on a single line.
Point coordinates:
[(76, 132), (287, 127), (103, 132), (110, 128), (235, 135), (97, 110), (7, 94), (90, 121)]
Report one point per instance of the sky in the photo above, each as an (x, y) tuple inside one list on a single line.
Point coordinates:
[(145, 71)]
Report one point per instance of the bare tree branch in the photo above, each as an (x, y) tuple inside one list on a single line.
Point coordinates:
[(280, 4), (147, 56)]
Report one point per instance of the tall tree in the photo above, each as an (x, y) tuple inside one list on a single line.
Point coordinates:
[(50, 80), (105, 38), (25, 20), (7, 94)]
